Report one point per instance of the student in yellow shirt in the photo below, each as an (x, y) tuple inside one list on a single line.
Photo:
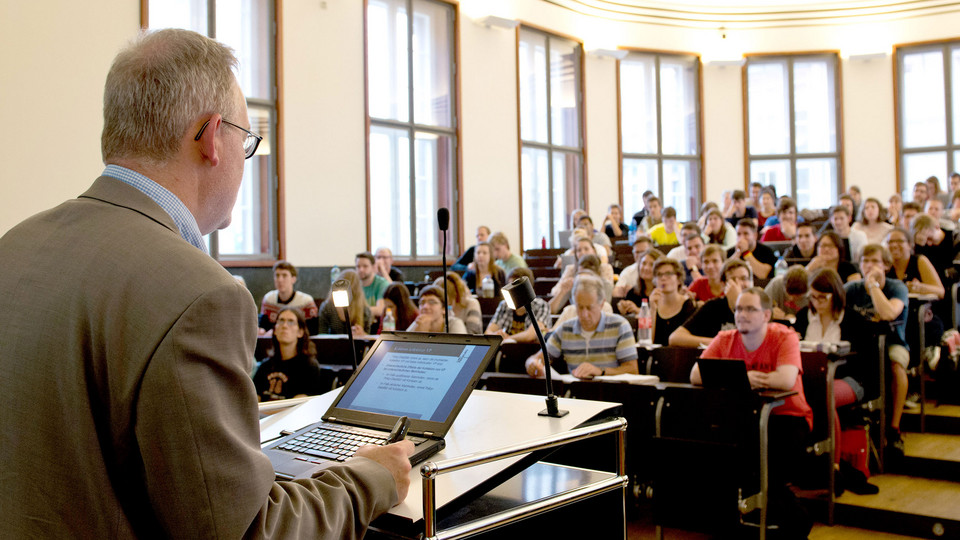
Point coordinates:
[(665, 234)]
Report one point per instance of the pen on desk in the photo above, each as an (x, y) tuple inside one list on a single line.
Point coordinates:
[(399, 431)]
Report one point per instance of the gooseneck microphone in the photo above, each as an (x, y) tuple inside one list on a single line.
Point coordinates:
[(443, 220)]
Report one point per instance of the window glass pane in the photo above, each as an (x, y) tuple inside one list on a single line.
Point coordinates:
[(919, 167), (923, 110), (814, 100), (774, 172), (387, 59), (188, 14), (564, 91), (434, 178), (768, 108), (432, 29), (680, 188), (955, 94), (390, 189), (816, 182), (638, 105), (639, 175), (533, 86), (566, 188), (250, 225), (535, 188), (245, 26), (678, 107)]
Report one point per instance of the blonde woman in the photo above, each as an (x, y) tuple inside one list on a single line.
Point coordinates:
[(331, 317), (464, 306), (483, 265)]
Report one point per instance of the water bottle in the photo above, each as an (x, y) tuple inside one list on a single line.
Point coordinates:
[(389, 322), (334, 274), (781, 268), (486, 287), (644, 325), (633, 231), (543, 242)]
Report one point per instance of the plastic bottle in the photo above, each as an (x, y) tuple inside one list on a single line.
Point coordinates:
[(781, 268), (334, 274), (543, 242), (633, 231), (644, 325), (486, 287), (389, 322)]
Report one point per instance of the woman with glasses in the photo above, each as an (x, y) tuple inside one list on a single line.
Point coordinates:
[(293, 370), (331, 317), (915, 271), (830, 255), (431, 314), (827, 319), (671, 306)]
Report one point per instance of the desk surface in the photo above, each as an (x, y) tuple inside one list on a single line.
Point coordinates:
[(489, 420)]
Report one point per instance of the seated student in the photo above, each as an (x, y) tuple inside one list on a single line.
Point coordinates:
[(501, 252), (894, 209), (788, 292), (431, 314), (830, 254), (786, 227), (464, 306), (384, 265), (654, 216), (753, 197), (483, 233), (600, 238), (853, 241), (613, 225), (595, 343), (689, 228), (397, 299), (638, 217), (760, 257), (665, 233), (871, 222), (934, 208), (767, 207), (578, 234), (693, 247), (331, 317), (828, 320), (908, 211), (717, 314), (804, 246), (772, 355), (484, 266), (628, 276), (373, 284), (739, 209), (879, 298), (709, 284), (936, 244), (719, 231), (561, 294), (293, 370), (284, 278), (668, 304), (641, 289), (515, 324)]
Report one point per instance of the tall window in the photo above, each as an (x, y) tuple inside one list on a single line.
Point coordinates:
[(248, 26), (793, 134), (412, 110), (928, 119), (660, 131), (551, 144)]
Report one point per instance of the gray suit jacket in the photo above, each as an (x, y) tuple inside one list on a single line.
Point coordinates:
[(127, 405)]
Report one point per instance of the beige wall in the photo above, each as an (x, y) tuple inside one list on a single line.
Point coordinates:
[(54, 61)]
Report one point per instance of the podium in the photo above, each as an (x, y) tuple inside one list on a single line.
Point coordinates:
[(492, 463)]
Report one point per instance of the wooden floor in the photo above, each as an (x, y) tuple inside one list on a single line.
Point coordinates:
[(920, 496), (933, 446)]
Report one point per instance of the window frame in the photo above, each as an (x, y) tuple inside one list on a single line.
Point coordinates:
[(952, 140), (659, 157), (455, 237), (271, 222), (792, 156), (581, 152)]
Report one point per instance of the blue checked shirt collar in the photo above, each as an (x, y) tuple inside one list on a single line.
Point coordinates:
[(172, 205)]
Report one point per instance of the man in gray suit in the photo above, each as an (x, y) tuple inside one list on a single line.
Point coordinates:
[(125, 349)]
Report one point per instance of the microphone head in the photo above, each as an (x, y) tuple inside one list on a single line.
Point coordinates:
[(443, 218)]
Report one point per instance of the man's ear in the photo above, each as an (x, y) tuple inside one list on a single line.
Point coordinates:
[(208, 140)]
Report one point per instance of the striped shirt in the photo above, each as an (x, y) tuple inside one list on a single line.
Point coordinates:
[(611, 344), (172, 205)]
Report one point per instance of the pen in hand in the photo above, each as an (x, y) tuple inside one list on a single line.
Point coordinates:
[(399, 431)]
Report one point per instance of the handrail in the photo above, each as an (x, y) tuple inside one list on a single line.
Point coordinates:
[(431, 470)]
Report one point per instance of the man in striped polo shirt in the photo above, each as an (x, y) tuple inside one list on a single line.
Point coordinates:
[(595, 343)]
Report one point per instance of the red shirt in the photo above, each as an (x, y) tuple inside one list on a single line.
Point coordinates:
[(781, 346), (774, 234), (701, 288)]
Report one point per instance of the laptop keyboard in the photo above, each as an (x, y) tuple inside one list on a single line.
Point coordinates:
[(336, 442)]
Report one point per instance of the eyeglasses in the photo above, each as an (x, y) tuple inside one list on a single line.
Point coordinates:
[(822, 297), (286, 322), (250, 144)]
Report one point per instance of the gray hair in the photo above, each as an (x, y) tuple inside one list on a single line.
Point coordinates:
[(158, 87), (589, 283)]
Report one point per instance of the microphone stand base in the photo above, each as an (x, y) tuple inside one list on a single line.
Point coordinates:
[(552, 410)]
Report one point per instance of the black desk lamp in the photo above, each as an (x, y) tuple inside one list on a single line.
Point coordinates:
[(520, 293), (341, 299)]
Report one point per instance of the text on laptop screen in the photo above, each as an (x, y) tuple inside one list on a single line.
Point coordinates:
[(418, 380)]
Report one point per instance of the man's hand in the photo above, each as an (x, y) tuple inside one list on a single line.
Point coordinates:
[(742, 246), (876, 277), (535, 367), (586, 370), (396, 458), (732, 290), (758, 379)]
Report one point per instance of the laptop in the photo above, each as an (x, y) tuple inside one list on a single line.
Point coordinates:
[(425, 377), (724, 374)]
